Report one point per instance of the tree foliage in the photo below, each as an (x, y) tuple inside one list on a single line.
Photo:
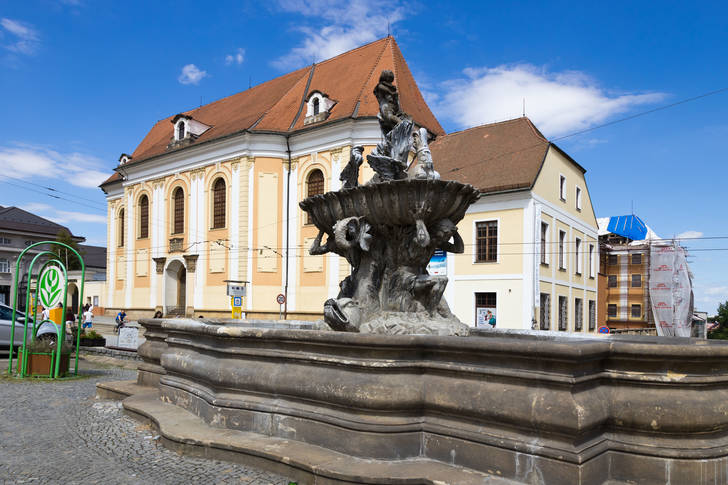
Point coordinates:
[(722, 319), (66, 256)]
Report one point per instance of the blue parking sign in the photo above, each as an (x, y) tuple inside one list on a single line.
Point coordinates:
[(237, 301)]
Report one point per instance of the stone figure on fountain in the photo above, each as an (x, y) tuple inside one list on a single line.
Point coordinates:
[(388, 230)]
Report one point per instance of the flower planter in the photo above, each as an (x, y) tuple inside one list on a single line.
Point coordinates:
[(39, 364), (93, 342)]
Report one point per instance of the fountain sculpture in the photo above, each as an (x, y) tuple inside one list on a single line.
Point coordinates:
[(388, 229)]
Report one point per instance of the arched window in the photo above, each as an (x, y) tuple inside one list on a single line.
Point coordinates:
[(180, 130), (315, 186), (315, 106), (144, 216), (218, 204), (178, 197), (121, 228)]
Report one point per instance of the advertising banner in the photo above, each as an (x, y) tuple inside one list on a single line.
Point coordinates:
[(438, 263), (670, 290)]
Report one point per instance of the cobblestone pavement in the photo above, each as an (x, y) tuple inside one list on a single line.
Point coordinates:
[(56, 432)]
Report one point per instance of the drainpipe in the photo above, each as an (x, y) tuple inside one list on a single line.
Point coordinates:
[(288, 225)]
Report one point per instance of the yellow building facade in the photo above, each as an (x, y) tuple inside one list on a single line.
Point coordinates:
[(531, 241), (212, 194)]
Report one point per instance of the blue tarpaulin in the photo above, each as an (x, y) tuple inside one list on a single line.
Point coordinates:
[(630, 226)]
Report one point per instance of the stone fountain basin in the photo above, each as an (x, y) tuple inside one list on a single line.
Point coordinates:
[(392, 203)]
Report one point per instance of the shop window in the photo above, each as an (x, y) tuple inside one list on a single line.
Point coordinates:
[(485, 309)]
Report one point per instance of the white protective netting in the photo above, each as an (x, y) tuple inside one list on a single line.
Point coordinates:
[(670, 289)]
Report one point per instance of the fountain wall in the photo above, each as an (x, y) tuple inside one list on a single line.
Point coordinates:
[(531, 407)]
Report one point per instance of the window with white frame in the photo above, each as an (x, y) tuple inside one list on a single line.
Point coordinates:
[(578, 314), (592, 314), (486, 241), (5, 241), (578, 198), (181, 130), (562, 256), (563, 313), (591, 261), (544, 243), (562, 187), (4, 265), (545, 312), (577, 255)]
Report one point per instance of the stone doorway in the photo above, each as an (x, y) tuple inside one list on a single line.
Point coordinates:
[(175, 294)]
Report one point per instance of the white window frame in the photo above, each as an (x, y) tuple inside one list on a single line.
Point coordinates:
[(591, 261), (475, 241), (176, 129), (577, 255), (562, 187), (578, 198), (562, 249), (545, 250), (4, 265)]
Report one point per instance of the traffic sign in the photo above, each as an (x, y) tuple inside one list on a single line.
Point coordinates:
[(603, 330), (237, 301), (281, 299)]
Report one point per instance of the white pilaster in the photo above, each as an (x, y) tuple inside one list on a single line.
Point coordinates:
[(529, 214), (234, 245), (292, 229), (130, 226), (201, 247), (111, 261), (251, 203)]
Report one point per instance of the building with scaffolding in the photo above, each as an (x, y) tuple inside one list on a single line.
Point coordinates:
[(644, 281)]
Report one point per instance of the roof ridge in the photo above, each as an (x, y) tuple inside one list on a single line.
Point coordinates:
[(489, 124), (366, 81), (352, 50)]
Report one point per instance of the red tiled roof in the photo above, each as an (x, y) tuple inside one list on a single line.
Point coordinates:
[(493, 158), (277, 105)]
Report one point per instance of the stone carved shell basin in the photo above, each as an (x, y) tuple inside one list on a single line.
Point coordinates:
[(392, 203)]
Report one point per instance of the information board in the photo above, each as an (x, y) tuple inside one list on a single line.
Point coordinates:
[(128, 338)]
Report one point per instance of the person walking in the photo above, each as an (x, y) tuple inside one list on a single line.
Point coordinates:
[(88, 317), (45, 314)]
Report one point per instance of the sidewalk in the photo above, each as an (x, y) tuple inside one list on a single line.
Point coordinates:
[(105, 326)]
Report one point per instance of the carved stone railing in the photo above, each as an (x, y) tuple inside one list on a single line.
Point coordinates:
[(533, 408)]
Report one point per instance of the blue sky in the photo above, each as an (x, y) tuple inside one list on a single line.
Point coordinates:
[(83, 81)]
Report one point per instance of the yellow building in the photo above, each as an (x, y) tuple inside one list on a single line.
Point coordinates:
[(212, 194), (531, 240)]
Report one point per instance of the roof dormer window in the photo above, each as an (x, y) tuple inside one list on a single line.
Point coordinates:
[(318, 106), (124, 158), (180, 130), (186, 130)]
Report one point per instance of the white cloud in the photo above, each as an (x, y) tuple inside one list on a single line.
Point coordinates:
[(33, 162), (191, 74), (340, 26), (63, 217), (689, 235), (35, 207), (25, 39), (558, 103), (716, 291), (237, 58)]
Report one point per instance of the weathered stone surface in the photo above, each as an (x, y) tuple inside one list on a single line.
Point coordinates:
[(531, 407)]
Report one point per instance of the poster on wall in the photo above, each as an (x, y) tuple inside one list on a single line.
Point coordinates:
[(485, 317), (438, 263)]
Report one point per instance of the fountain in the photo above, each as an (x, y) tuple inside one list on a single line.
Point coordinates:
[(389, 229), (399, 394)]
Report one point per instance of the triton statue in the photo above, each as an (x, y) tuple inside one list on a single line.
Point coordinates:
[(388, 229)]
